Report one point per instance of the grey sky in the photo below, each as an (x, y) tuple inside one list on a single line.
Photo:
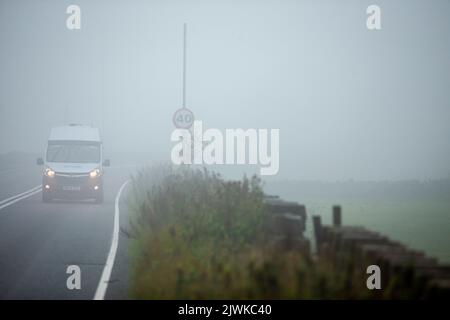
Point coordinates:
[(349, 103)]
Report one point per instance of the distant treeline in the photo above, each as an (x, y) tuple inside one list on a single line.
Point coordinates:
[(361, 190)]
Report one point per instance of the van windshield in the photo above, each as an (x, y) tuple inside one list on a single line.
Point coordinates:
[(73, 152)]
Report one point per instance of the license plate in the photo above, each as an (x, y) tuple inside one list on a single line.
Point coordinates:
[(71, 188)]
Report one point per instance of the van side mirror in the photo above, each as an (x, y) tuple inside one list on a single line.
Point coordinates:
[(106, 163), (39, 162)]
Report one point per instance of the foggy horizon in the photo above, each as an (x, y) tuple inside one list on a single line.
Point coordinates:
[(349, 103)]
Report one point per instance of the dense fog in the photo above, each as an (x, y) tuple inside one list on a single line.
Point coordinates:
[(350, 103)]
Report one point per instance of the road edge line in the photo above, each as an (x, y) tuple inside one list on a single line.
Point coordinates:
[(7, 204), (107, 269), (20, 194)]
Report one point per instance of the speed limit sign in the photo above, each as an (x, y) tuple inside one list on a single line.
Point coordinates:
[(183, 118)]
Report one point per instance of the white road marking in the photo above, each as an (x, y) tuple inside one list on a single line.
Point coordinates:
[(20, 194), (106, 274), (11, 200)]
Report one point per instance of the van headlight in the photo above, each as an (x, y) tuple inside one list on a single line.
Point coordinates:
[(94, 173), (49, 172)]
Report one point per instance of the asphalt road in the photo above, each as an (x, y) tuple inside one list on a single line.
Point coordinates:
[(38, 241)]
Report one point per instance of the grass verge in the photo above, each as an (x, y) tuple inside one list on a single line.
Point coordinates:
[(201, 237)]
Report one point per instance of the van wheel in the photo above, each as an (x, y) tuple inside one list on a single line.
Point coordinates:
[(46, 197)]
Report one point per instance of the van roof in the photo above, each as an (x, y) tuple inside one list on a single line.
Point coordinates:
[(75, 132)]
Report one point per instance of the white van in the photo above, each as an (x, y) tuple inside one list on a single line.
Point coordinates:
[(73, 164)]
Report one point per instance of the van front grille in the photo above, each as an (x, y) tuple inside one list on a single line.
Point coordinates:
[(72, 175)]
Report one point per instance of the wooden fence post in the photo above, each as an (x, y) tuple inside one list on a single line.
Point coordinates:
[(337, 216), (317, 222)]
